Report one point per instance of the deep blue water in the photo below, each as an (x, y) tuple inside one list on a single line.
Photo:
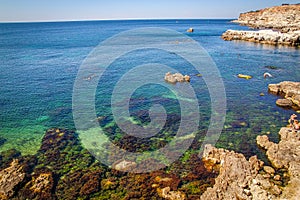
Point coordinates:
[(39, 63)]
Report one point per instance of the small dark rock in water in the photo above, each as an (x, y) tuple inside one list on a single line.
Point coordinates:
[(271, 67), (2, 141)]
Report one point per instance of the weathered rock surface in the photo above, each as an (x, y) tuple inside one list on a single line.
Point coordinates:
[(250, 179), (285, 155), (283, 23), (283, 18), (290, 90), (10, 178), (284, 103), (177, 77), (166, 193), (264, 36)]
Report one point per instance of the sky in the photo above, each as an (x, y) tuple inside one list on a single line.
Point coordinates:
[(73, 10)]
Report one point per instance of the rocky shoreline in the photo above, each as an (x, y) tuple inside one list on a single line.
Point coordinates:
[(281, 26), (63, 169), (290, 91), (240, 178)]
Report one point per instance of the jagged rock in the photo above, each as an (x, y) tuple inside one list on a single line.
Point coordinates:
[(286, 154), (40, 186), (166, 193), (236, 174), (10, 178), (290, 90), (177, 77), (283, 23)]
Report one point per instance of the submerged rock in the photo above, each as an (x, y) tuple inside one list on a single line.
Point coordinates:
[(124, 165)]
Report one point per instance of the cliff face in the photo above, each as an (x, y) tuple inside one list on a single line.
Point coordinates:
[(284, 18), (283, 23)]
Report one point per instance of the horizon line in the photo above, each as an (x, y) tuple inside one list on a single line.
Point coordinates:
[(113, 19)]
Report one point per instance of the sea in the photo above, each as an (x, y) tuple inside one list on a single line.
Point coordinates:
[(39, 63)]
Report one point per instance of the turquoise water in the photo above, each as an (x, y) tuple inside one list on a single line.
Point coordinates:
[(39, 63)]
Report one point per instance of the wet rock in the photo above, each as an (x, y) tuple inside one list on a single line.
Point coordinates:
[(166, 193), (10, 178)]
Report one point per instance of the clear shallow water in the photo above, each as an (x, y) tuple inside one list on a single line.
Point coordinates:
[(39, 63)]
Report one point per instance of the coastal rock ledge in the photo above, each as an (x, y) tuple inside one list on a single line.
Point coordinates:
[(240, 178), (289, 90), (281, 25)]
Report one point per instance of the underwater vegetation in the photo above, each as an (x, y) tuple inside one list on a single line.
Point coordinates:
[(63, 169)]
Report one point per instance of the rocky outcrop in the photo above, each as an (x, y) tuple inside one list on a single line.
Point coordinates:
[(264, 36), (282, 22), (10, 178), (285, 155), (250, 179), (290, 90), (285, 18), (177, 77)]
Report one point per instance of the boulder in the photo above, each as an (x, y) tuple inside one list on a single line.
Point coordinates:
[(177, 77)]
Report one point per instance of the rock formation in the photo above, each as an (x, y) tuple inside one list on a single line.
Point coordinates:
[(264, 37), (285, 155), (250, 179), (285, 18), (283, 23), (10, 178), (290, 90), (177, 77)]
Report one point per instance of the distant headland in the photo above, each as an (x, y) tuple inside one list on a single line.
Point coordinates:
[(279, 25)]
